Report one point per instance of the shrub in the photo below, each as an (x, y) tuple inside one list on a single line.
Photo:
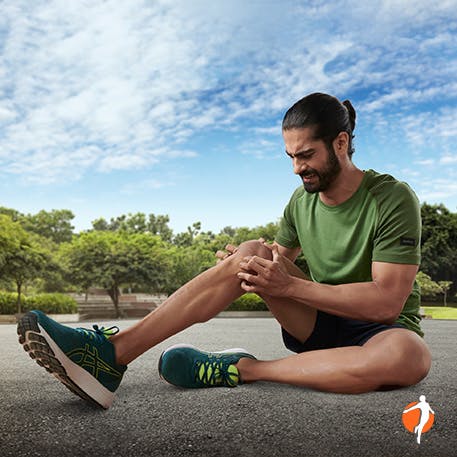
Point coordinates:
[(52, 303), (248, 302), (8, 302), (48, 303)]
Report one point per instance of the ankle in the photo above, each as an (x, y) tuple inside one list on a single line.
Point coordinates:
[(245, 369), (119, 354)]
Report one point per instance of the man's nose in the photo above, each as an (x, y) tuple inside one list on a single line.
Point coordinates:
[(299, 166)]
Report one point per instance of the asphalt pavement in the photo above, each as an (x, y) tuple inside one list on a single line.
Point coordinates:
[(40, 417)]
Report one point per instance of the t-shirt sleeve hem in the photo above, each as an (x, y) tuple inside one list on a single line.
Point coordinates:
[(286, 243), (404, 259)]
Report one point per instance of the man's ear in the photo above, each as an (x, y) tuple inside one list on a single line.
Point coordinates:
[(341, 143)]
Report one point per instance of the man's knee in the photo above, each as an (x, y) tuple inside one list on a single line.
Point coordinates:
[(254, 248), (408, 360), (423, 360)]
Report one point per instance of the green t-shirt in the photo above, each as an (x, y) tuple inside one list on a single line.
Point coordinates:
[(380, 222)]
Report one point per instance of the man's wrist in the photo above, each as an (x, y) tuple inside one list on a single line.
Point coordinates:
[(297, 287)]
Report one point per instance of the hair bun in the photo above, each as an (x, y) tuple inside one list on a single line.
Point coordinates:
[(351, 111)]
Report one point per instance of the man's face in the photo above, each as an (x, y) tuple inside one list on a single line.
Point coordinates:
[(312, 160)]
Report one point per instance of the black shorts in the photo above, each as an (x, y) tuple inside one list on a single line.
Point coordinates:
[(332, 331)]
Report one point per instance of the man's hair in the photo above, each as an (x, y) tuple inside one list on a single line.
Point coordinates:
[(325, 114)]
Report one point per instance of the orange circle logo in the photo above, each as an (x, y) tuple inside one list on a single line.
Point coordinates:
[(418, 417), (412, 418)]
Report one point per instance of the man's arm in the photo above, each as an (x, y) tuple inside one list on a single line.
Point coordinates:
[(290, 253), (380, 300)]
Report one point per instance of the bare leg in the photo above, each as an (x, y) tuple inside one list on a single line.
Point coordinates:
[(197, 301), (297, 318), (395, 357)]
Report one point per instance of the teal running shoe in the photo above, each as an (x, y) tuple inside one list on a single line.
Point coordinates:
[(186, 366), (83, 360)]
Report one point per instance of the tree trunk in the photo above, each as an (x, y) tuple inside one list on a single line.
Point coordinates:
[(19, 304), (114, 294)]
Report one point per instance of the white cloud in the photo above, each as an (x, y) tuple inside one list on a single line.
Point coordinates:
[(142, 186), (448, 159), (438, 190), (438, 127), (123, 85), (426, 162)]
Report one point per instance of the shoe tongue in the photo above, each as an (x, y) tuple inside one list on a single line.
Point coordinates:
[(233, 375), (216, 374), (106, 332)]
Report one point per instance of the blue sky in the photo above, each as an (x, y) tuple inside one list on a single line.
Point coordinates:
[(174, 107)]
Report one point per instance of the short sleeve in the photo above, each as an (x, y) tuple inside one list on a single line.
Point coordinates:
[(287, 233), (398, 232)]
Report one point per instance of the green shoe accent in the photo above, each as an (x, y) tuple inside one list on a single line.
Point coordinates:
[(82, 359), (186, 366)]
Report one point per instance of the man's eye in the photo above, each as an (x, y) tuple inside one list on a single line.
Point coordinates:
[(301, 156)]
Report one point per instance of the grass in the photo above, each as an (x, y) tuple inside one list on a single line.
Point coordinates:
[(440, 312)]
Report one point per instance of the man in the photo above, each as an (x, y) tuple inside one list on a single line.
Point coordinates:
[(354, 326)]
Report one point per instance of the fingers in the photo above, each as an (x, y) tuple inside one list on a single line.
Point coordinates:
[(257, 271), (275, 251), (231, 248), (248, 287), (251, 282), (222, 255), (256, 262)]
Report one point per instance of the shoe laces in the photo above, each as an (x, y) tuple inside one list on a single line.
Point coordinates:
[(216, 373), (99, 333)]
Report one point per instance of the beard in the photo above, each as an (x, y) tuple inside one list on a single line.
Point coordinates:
[(321, 180)]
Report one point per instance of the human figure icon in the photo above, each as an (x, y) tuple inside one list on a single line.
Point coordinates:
[(425, 410)]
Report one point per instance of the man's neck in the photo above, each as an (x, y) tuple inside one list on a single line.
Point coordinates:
[(344, 186)]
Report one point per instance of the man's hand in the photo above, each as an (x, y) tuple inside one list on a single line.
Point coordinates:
[(263, 276), (229, 250)]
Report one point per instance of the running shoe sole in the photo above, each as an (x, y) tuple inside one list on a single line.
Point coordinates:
[(46, 353)]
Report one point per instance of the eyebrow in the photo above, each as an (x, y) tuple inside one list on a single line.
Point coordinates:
[(305, 152)]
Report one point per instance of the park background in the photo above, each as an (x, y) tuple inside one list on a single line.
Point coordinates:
[(138, 137), (43, 260)]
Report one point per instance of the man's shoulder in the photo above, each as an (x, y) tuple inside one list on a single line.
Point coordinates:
[(383, 186), (298, 193)]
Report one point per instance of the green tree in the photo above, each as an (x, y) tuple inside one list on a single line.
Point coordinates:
[(100, 225), (445, 286), (114, 259), (186, 263), (429, 288), (8, 237), (187, 238), (158, 225), (23, 259), (136, 223), (13, 214), (439, 242), (54, 225), (267, 232), (230, 231)]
